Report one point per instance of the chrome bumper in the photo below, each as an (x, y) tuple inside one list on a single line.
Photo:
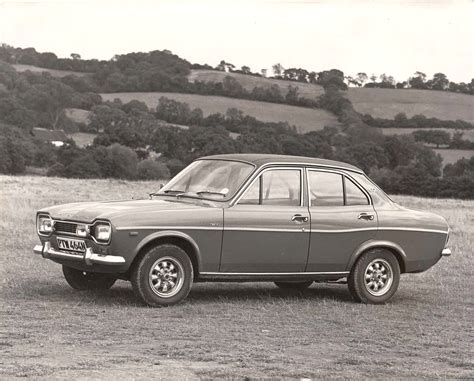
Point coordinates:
[(89, 258), (446, 252)]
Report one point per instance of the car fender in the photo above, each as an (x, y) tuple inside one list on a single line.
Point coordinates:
[(372, 244), (169, 234)]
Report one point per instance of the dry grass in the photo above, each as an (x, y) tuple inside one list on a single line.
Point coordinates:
[(305, 119), (53, 72), (249, 82), (386, 103), (252, 330)]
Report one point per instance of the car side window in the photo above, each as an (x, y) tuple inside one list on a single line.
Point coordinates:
[(280, 187), (325, 188), (354, 196)]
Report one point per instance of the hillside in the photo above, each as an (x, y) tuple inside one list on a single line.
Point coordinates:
[(55, 73), (386, 103), (305, 119), (306, 90)]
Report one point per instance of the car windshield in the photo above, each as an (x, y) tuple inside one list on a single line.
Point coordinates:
[(209, 179)]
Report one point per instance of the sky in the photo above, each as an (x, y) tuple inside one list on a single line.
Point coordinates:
[(375, 37)]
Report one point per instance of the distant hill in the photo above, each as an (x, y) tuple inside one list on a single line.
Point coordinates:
[(305, 119), (306, 90), (53, 72), (386, 103)]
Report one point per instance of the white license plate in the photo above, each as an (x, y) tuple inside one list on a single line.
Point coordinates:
[(71, 244)]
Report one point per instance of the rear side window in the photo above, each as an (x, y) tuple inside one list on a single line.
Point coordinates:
[(354, 196), (325, 189), (334, 189)]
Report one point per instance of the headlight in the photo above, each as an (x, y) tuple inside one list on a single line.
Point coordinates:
[(102, 232), (44, 224)]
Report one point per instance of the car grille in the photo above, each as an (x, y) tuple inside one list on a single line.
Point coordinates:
[(65, 227)]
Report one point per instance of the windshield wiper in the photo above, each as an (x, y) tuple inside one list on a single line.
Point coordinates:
[(173, 191), (210, 192)]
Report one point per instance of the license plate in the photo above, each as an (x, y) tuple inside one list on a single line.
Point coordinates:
[(71, 244)]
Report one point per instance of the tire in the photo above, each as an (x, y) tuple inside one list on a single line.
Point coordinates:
[(375, 277), (163, 276), (296, 286), (83, 280)]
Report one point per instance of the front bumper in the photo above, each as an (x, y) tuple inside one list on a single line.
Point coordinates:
[(89, 258), (446, 252)]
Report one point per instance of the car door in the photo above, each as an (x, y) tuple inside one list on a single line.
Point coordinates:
[(267, 230), (342, 218)]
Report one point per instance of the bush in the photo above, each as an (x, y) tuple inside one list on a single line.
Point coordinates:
[(150, 169), (122, 162)]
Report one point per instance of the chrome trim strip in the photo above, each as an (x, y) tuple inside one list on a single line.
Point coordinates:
[(220, 228), (169, 228), (296, 230), (294, 273)]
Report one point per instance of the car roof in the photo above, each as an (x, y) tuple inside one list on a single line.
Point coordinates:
[(265, 159)]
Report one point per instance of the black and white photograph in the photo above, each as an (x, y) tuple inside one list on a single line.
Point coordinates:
[(236, 189)]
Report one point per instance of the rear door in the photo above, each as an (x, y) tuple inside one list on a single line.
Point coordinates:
[(342, 218)]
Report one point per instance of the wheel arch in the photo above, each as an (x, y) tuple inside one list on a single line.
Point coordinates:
[(393, 247), (180, 239)]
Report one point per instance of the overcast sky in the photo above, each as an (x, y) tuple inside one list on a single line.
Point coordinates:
[(393, 37)]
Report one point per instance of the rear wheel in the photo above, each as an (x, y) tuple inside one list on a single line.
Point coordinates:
[(375, 277), (297, 286), (83, 280), (163, 276)]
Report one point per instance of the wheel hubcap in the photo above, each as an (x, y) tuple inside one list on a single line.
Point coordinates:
[(378, 277), (166, 277)]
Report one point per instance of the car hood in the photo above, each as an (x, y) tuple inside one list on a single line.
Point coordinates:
[(90, 211)]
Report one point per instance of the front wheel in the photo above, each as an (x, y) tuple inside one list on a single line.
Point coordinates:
[(375, 277), (83, 280), (297, 286), (163, 276)]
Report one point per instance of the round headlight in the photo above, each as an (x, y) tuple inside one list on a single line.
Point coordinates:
[(44, 224), (102, 232)]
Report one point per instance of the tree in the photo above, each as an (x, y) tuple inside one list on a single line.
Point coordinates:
[(278, 70), (440, 82), (150, 169), (75, 56), (122, 162), (418, 81), (362, 78), (437, 137), (245, 70), (263, 72)]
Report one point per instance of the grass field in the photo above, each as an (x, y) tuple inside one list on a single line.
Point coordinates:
[(48, 330), (452, 155), (249, 82), (386, 103), (305, 119), (53, 72)]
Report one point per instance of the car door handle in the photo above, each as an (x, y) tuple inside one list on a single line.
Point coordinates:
[(366, 216), (299, 218)]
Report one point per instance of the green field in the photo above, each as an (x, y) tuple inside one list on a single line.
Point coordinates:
[(306, 90), (50, 331), (305, 119), (452, 155), (53, 72), (386, 103)]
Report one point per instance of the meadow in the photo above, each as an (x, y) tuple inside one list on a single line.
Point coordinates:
[(53, 72), (386, 103), (305, 119), (250, 330)]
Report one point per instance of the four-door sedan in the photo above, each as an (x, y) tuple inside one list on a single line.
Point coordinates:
[(246, 217)]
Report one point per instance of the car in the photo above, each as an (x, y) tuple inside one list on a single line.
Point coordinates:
[(246, 217)]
